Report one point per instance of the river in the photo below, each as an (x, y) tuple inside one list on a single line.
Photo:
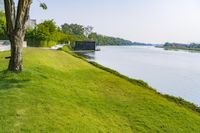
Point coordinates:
[(175, 73)]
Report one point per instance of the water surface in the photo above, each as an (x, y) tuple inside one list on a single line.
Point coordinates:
[(170, 72)]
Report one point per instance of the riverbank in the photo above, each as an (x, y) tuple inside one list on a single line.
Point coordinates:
[(59, 92), (179, 48), (178, 100), (170, 72)]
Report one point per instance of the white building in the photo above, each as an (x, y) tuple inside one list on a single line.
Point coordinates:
[(31, 23)]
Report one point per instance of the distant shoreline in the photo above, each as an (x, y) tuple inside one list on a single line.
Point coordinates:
[(179, 48)]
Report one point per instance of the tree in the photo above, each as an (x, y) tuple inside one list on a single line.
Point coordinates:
[(15, 29), (74, 29), (66, 28), (93, 36), (45, 30), (88, 30), (15, 23)]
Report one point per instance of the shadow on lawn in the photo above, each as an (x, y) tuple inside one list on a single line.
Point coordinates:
[(8, 81)]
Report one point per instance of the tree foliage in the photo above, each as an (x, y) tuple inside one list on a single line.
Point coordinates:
[(106, 40), (192, 46), (2, 25), (46, 29), (48, 33), (43, 6), (74, 29)]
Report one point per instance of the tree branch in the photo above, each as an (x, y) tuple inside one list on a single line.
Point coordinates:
[(10, 16), (22, 14)]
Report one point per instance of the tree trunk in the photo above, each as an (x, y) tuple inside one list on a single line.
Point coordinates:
[(15, 23), (15, 63)]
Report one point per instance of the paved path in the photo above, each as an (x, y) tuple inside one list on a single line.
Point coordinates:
[(57, 46)]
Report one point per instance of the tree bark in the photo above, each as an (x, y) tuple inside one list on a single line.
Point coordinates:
[(15, 23), (15, 63)]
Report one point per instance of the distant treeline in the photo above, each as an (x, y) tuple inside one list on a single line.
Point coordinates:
[(192, 46), (48, 34), (106, 40)]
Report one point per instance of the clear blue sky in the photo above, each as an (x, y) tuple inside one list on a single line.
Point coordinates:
[(154, 21)]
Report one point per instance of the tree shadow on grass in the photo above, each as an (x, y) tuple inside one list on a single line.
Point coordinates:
[(9, 82)]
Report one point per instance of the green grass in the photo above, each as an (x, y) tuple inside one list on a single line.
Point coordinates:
[(58, 92)]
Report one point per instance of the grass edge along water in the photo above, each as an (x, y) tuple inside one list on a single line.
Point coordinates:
[(178, 100)]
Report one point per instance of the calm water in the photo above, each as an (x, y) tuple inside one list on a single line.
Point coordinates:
[(170, 72)]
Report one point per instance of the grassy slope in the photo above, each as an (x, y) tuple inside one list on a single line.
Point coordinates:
[(58, 92)]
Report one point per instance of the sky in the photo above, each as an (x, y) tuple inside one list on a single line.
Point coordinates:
[(149, 21)]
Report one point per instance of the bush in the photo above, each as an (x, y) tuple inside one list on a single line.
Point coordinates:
[(38, 43)]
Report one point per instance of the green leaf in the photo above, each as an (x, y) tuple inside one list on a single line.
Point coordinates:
[(43, 6)]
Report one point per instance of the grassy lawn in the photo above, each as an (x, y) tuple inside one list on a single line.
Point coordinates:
[(60, 93)]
